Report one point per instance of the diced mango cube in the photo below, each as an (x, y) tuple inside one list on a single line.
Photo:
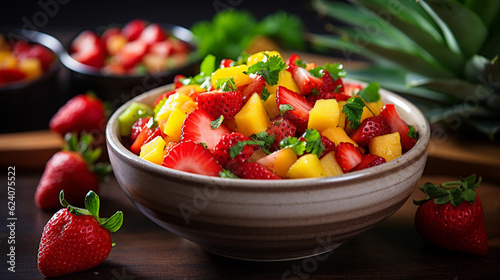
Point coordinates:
[(32, 67), (387, 146), (341, 114), (376, 106), (279, 161), (235, 72), (191, 90), (174, 123), (330, 164), (337, 135), (154, 150), (253, 117), (261, 56), (175, 100), (324, 114), (285, 80), (115, 43), (8, 62), (271, 106), (307, 166)]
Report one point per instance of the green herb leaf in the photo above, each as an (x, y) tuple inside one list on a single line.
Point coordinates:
[(217, 122), (227, 174), (226, 84), (207, 67), (238, 147), (354, 110), (317, 72), (300, 63), (370, 92), (269, 69), (285, 107), (336, 70), (313, 142), (299, 147), (315, 92), (204, 145), (266, 138), (264, 95), (412, 133)]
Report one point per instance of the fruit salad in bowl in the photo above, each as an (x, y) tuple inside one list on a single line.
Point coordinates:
[(268, 158)]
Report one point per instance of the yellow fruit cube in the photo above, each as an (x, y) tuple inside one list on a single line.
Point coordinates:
[(330, 164), (115, 43), (307, 166), (175, 100), (235, 72), (337, 135), (32, 67), (154, 150), (253, 117), (324, 114), (387, 146), (341, 114), (376, 106), (8, 61), (279, 161), (191, 90), (285, 80), (271, 106), (261, 56), (174, 124)]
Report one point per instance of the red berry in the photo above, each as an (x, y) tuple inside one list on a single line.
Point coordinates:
[(398, 124), (348, 156), (301, 107), (193, 158), (369, 128), (253, 170), (197, 128), (369, 160), (281, 128), (223, 148), (218, 103)]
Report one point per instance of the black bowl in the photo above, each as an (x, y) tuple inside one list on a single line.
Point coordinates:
[(30, 105), (117, 89)]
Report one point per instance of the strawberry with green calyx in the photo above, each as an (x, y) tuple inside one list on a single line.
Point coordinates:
[(73, 170), (451, 216), (76, 239)]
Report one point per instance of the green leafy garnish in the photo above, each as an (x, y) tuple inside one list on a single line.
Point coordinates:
[(264, 95), (315, 92), (370, 92), (268, 68), (300, 63), (226, 84), (317, 72), (285, 107), (454, 192), (353, 110), (207, 67), (238, 147), (311, 144), (217, 122), (336, 70), (158, 106), (412, 133), (266, 138), (227, 174)]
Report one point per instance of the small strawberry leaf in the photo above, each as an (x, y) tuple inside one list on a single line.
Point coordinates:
[(454, 192), (92, 203), (114, 222), (72, 209)]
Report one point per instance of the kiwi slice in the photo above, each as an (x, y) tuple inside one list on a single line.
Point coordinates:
[(133, 112)]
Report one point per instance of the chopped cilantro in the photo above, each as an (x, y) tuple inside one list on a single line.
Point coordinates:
[(336, 90), (353, 110), (311, 144), (317, 72), (370, 92), (227, 174), (226, 84), (412, 133), (217, 122), (285, 107), (207, 67), (315, 91), (300, 63), (336, 70), (204, 145), (266, 138), (299, 147), (238, 147), (264, 95), (269, 69)]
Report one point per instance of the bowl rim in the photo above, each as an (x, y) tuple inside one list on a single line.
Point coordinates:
[(37, 37), (419, 150), (177, 31)]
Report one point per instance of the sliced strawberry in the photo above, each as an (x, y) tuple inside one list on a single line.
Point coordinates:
[(152, 33), (109, 33), (196, 128), (162, 49), (20, 47), (397, 124), (11, 75), (301, 107), (302, 77), (253, 170), (369, 128), (137, 127), (218, 103), (193, 158), (369, 160), (256, 85), (87, 49), (330, 90), (329, 145), (43, 54), (133, 29), (352, 89), (164, 95), (85, 40), (281, 128), (226, 63), (223, 148), (147, 134), (348, 156), (132, 53)]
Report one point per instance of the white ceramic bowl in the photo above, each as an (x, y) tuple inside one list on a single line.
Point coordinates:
[(269, 220)]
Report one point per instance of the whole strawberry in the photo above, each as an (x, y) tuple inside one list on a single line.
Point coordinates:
[(451, 217), (76, 239), (72, 170), (82, 113)]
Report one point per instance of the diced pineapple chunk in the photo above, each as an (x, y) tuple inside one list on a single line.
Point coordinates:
[(387, 146), (271, 106), (279, 161), (337, 135), (32, 67), (235, 72), (261, 56), (154, 150), (324, 114), (307, 166), (330, 164), (253, 117)]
